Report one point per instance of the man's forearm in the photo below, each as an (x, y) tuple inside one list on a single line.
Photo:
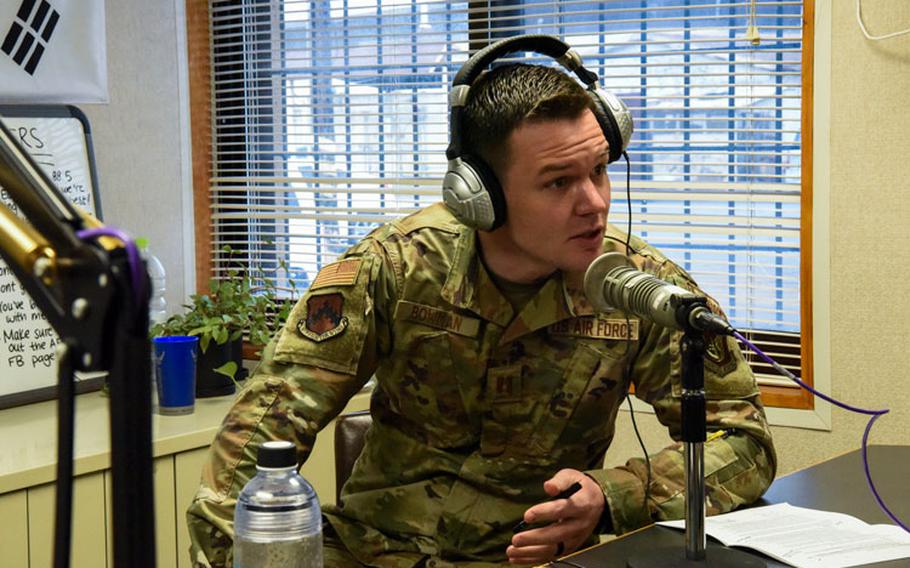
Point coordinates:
[(738, 469)]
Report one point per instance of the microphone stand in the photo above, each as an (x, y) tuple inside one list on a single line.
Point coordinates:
[(692, 348)]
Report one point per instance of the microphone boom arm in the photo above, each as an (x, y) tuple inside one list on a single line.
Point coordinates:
[(90, 294)]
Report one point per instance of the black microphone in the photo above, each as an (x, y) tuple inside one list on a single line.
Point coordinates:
[(612, 283)]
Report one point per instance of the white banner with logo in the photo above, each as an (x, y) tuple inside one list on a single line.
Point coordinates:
[(52, 51)]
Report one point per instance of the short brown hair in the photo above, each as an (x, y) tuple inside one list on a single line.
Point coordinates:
[(504, 98)]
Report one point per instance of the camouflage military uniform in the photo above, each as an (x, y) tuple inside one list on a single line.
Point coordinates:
[(475, 406)]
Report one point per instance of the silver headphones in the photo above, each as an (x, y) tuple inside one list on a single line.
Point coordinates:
[(470, 188)]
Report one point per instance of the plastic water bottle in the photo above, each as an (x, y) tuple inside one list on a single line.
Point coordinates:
[(157, 303), (277, 520), (157, 309)]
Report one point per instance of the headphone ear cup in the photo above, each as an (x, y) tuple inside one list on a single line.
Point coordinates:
[(493, 189), (472, 193), (615, 120)]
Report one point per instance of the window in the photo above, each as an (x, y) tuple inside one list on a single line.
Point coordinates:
[(330, 117)]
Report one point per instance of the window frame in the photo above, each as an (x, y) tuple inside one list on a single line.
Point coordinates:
[(200, 56)]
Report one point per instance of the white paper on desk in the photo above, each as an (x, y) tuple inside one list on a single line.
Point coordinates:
[(807, 538)]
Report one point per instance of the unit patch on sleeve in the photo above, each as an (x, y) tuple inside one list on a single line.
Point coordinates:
[(596, 327), (324, 317), (341, 273)]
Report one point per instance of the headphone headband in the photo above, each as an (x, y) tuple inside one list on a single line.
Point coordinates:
[(542, 44)]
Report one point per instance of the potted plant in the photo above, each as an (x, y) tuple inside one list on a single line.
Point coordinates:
[(243, 303)]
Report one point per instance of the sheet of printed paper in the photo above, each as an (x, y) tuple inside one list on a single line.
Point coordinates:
[(807, 538)]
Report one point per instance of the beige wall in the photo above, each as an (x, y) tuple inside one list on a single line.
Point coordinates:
[(140, 135), (868, 313)]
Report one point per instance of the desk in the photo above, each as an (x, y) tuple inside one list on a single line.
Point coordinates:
[(838, 484)]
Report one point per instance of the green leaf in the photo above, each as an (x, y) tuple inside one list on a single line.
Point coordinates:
[(229, 369)]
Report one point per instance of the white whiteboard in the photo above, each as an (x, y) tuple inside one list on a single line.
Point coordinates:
[(59, 140)]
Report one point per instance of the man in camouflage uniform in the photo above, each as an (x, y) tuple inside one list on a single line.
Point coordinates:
[(497, 384)]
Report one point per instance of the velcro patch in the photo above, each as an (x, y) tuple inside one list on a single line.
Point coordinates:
[(434, 317), (341, 273), (324, 317), (504, 384), (596, 327), (718, 356)]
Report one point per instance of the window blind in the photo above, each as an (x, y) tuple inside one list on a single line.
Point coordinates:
[(330, 117)]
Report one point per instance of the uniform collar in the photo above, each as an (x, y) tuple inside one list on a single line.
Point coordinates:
[(561, 297), (469, 286)]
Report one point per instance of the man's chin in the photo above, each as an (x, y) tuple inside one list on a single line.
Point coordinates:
[(580, 265)]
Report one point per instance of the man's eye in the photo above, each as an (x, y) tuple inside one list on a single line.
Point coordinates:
[(557, 183), (600, 170)]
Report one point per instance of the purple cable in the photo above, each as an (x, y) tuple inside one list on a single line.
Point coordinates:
[(876, 414), (132, 254)]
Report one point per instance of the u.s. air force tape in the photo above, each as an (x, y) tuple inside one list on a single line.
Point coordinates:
[(596, 327)]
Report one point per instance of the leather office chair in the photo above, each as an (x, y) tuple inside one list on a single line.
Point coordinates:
[(350, 430)]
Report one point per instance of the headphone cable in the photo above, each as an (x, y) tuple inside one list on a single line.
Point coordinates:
[(627, 372), (628, 202)]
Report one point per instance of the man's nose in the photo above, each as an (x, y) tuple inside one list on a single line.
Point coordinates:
[(593, 198)]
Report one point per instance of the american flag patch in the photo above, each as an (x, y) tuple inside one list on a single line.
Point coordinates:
[(341, 273)]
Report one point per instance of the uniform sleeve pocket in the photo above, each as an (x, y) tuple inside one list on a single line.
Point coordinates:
[(717, 457), (328, 326)]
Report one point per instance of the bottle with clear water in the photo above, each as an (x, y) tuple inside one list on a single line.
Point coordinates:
[(277, 520), (157, 303), (157, 308)]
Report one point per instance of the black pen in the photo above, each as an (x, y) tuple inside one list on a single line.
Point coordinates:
[(564, 494)]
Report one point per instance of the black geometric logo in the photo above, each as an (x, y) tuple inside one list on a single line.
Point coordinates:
[(27, 52)]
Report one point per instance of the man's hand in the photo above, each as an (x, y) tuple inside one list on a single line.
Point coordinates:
[(570, 521)]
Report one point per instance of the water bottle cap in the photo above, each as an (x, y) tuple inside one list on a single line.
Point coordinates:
[(277, 454)]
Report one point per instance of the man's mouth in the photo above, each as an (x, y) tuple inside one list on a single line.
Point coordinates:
[(591, 235)]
